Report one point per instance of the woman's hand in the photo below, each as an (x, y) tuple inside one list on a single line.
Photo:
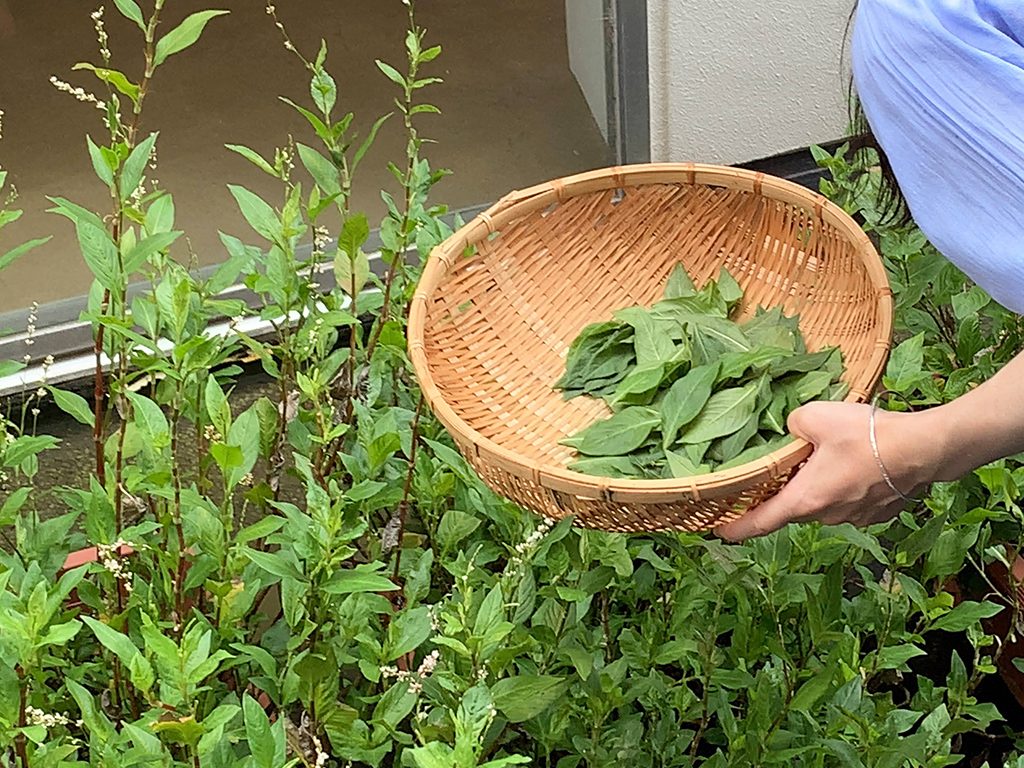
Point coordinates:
[(841, 482)]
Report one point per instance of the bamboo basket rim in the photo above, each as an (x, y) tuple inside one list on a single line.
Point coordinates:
[(716, 485)]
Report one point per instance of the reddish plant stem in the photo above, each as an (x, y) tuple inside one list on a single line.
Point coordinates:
[(99, 396), (179, 579)]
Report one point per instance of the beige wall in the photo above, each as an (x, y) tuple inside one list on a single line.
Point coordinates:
[(745, 79)]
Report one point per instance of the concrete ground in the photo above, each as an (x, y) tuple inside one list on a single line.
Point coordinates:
[(513, 114)]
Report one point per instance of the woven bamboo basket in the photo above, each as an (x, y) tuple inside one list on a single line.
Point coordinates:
[(501, 300)]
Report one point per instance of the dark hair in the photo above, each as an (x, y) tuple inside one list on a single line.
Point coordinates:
[(891, 201)]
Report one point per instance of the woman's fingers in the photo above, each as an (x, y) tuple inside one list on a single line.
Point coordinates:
[(796, 501)]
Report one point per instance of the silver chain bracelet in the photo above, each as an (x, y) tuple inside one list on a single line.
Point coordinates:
[(878, 457)]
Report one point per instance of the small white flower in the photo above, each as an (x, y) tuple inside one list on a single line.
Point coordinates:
[(47, 720), (429, 664), (318, 748)]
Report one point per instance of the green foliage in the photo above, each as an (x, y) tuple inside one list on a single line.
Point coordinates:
[(333, 585), (691, 389)]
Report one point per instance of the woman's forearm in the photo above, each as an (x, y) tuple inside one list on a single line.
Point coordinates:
[(982, 426)]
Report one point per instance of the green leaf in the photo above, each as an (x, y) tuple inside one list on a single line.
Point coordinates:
[(801, 363), (395, 705), (606, 466), (245, 434), (319, 127), (217, 407), (600, 357), (74, 405), (392, 74), (360, 153), (639, 386), (253, 157), (906, 364), (18, 251), (524, 697), (321, 169), (354, 234), (811, 692), (99, 163), (728, 288), (60, 634), (260, 529), (260, 736), (362, 578), (27, 446), (184, 35), (685, 400), (74, 212), (407, 632), (135, 167), (150, 420), (965, 615), (274, 564), (116, 642), (351, 274), (716, 335), (435, 754), (455, 526), (651, 343), (679, 284), (228, 457), (726, 412), (969, 303), (131, 11), (117, 80), (324, 90), (729, 447), (160, 215), (736, 364), (812, 385), (897, 656), (13, 504), (100, 254), (257, 212), (623, 432), (773, 417), (430, 54), (148, 247), (680, 465)]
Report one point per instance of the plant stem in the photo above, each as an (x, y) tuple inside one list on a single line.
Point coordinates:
[(179, 578), (413, 156), (403, 505), (708, 651), (20, 740), (117, 227)]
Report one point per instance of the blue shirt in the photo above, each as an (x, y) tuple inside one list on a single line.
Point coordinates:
[(942, 85)]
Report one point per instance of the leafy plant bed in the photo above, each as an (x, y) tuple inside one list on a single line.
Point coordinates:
[(332, 585)]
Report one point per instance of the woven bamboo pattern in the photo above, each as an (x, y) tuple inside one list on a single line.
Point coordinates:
[(501, 300)]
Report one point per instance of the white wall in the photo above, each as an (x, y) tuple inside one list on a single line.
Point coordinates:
[(584, 21), (740, 80)]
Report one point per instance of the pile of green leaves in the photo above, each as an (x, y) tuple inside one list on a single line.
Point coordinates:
[(692, 390)]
